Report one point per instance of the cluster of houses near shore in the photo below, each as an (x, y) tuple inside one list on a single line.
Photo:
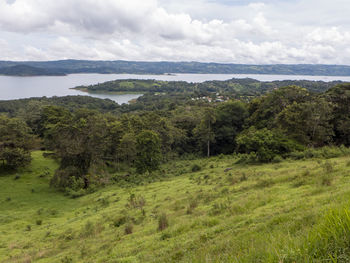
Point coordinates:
[(215, 98)]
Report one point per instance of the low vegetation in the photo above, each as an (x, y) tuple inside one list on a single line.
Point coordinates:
[(224, 212)]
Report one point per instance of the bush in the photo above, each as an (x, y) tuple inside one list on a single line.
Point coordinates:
[(196, 168), (68, 177), (328, 167), (326, 152), (277, 159), (88, 230), (193, 204), (265, 144), (136, 201), (128, 229), (162, 222), (120, 221)]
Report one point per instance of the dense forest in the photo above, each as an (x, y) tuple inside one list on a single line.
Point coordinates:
[(134, 67), (92, 136)]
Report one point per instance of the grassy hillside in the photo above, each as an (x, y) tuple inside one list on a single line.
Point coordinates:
[(251, 213)]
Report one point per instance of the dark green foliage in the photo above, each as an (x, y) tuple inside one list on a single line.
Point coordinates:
[(68, 177), (230, 117), (15, 143), (119, 221), (148, 152), (204, 131), (264, 144), (134, 67), (264, 109), (326, 152), (196, 168), (339, 96), (307, 122), (80, 141)]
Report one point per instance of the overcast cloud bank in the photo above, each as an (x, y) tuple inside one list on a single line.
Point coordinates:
[(264, 32)]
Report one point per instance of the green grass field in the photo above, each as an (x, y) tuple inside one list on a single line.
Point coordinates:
[(283, 212)]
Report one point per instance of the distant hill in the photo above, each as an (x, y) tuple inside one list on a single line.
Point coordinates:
[(61, 67), (25, 70)]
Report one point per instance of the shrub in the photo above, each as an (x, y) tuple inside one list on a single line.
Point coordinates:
[(277, 159), (326, 180), (266, 144), (39, 222), (165, 236), (120, 221), (128, 229), (136, 201), (88, 230), (162, 222), (328, 167), (68, 178), (196, 168), (325, 152), (193, 204)]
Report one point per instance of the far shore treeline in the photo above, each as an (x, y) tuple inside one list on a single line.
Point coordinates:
[(64, 67)]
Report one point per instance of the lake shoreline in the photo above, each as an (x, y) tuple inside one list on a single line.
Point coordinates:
[(12, 88)]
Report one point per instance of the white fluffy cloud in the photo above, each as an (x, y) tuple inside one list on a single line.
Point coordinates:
[(270, 31)]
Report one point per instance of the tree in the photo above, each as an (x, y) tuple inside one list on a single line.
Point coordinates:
[(264, 110), (15, 142), (339, 97), (230, 117), (204, 130), (308, 122), (148, 151), (80, 141), (266, 144), (128, 148)]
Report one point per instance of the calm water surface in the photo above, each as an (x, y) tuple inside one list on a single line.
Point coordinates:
[(26, 87)]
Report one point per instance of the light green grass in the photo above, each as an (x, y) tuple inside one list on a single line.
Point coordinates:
[(252, 213)]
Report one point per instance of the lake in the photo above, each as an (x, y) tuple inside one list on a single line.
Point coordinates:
[(25, 87)]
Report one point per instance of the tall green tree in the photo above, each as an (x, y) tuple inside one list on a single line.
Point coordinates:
[(339, 97), (264, 109), (81, 142), (127, 148), (230, 117), (204, 131), (15, 142), (308, 123), (148, 151)]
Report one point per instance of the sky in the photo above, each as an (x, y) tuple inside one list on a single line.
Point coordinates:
[(224, 31)]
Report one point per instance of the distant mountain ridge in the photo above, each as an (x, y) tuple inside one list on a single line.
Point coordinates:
[(25, 70), (63, 67)]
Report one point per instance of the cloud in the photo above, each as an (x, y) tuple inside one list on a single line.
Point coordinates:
[(221, 31)]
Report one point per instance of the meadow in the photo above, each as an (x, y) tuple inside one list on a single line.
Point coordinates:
[(204, 210)]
